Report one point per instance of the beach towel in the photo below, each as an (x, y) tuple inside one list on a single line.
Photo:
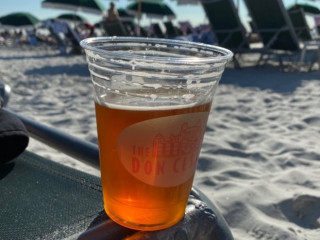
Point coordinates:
[(13, 137)]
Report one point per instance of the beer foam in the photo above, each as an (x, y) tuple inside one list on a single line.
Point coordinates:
[(148, 108), (126, 100)]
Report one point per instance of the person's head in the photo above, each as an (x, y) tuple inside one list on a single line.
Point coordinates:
[(112, 5)]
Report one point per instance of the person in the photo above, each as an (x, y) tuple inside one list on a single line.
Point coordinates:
[(112, 13), (58, 30), (32, 37)]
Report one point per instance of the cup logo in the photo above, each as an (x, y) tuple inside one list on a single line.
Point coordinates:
[(164, 151)]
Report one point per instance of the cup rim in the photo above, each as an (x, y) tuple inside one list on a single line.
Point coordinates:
[(225, 56)]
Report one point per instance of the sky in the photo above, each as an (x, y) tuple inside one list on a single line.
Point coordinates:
[(192, 13)]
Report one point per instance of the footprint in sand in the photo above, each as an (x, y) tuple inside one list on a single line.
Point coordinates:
[(302, 210), (313, 121), (296, 127)]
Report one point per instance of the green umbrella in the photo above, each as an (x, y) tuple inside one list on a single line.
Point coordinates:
[(153, 9), (19, 19), (87, 6), (188, 2), (124, 15), (71, 17), (306, 7)]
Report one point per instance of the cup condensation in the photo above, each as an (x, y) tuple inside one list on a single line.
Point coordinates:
[(152, 100)]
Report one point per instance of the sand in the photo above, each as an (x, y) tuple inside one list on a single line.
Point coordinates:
[(260, 160)]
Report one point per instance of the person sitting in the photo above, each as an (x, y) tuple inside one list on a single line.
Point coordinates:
[(59, 30), (112, 13)]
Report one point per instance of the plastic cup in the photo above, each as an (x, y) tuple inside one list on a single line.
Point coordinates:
[(152, 101)]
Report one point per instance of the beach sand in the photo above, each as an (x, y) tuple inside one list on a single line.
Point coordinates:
[(260, 160)]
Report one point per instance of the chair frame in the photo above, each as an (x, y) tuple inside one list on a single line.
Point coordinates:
[(309, 44), (300, 29), (114, 28), (230, 32), (276, 31)]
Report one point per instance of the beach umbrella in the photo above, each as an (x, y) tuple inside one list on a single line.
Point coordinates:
[(18, 20), (306, 8), (153, 9), (124, 15), (296, 1), (71, 17), (86, 6), (187, 2)]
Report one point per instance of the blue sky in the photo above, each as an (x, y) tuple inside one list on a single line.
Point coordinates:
[(194, 14)]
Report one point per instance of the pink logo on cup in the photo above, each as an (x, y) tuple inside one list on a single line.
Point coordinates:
[(164, 151)]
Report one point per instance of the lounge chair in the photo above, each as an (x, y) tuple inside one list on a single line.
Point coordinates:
[(186, 28), (171, 30), (42, 199), (273, 24), (274, 27), (230, 33), (226, 24), (317, 24), (74, 39), (303, 31), (114, 28), (157, 31), (227, 27), (129, 27), (299, 22)]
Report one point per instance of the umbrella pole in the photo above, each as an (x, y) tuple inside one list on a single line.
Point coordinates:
[(238, 6), (139, 16)]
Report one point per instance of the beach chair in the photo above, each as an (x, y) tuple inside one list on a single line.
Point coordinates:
[(171, 30), (157, 31), (299, 22), (186, 28), (228, 29), (114, 28), (42, 199), (317, 24), (226, 24), (303, 31), (129, 27), (144, 32), (75, 39), (274, 27), (273, 24)]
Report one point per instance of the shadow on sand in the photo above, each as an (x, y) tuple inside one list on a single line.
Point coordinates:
[(22, 57), (73, 70), (267, 78)]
